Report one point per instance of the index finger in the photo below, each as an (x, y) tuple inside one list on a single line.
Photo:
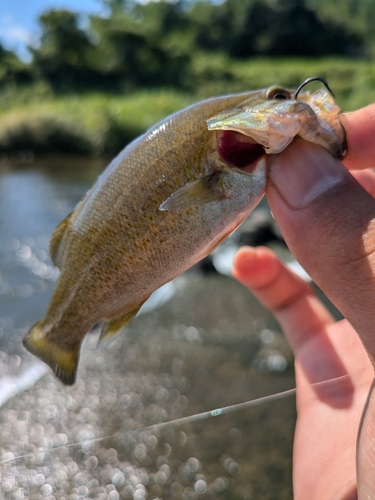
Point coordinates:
[(360, 136), (302, 316)]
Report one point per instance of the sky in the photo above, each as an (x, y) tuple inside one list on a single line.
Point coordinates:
[(19, 19)]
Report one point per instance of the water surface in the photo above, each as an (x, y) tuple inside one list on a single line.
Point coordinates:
[(210, 345)]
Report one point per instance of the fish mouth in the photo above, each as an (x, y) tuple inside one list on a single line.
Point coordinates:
[(238, 150)]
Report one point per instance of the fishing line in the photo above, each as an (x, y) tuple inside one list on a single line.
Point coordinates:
[(191, 418)]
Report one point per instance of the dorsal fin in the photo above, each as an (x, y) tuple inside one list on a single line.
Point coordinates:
[(56, 240)]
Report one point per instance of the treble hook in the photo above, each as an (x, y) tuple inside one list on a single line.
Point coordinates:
[(313, 79)]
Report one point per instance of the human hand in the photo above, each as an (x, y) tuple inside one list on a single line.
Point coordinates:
[(328, 221), (328, 414)]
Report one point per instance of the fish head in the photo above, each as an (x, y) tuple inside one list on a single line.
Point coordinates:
[(269, 120)]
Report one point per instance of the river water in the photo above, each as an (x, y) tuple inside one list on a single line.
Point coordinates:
[(205, 343)]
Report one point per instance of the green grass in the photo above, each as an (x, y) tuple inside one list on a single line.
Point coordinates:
[(93, 124), (352, 80), (88, 124)]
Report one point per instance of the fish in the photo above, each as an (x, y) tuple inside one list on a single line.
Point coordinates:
[(166, 201)]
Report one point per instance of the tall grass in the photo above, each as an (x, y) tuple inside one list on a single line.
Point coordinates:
[(88, 124), (33, 119)]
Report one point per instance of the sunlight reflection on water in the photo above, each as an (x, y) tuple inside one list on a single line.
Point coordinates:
[(33, 200), (210, 345)]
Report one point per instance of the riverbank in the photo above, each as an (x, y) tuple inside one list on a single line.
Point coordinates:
[(35, 121)]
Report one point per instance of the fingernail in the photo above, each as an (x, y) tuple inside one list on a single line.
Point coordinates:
[(303, 172)]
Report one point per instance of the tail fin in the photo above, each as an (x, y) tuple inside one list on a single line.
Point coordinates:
[(63, 362)]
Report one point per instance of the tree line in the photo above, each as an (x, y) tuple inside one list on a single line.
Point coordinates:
[(156, 44)]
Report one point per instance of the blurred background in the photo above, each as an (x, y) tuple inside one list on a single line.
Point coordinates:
[(78, 81)]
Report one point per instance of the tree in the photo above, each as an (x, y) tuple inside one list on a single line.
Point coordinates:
[(61, 57), (290, 28), (12, 69), (142, 46)]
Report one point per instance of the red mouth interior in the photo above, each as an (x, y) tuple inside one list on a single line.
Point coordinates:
[(237, 150)]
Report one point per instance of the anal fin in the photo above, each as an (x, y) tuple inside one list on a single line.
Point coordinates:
[(113, 326), (63, 362), (57, 238)]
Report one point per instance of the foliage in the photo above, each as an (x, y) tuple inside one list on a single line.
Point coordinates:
[(84, 90), (258, 27), (162, 43), (62, 57), (358, 15), (99, 123), (89, 124), (12, 70)]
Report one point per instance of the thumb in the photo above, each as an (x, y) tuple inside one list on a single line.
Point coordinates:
[(327, 220)]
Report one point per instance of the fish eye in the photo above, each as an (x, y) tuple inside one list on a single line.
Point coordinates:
[(280, 94)]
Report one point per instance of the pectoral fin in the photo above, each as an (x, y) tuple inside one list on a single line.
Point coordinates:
[(57, 238), (196, 193), (63, 362), (113, 326)]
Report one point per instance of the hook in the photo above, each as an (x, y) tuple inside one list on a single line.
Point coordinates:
[(313, 79)]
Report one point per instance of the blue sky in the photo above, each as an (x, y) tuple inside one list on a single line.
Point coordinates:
[(19, 19)]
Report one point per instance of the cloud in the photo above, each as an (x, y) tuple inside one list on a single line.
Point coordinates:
[(15, 37), (16, 34)]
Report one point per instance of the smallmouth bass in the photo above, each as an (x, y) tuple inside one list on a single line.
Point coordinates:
[(165, 202)]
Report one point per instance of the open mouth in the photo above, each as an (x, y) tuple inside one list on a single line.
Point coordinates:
[(238, 150)]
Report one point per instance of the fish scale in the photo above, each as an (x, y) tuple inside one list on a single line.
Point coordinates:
[(165, 202)]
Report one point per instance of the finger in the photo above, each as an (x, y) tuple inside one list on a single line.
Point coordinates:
[(327, 219), (303, 317), (365, 449), (366, 179), (360, 136), (280, 290)]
